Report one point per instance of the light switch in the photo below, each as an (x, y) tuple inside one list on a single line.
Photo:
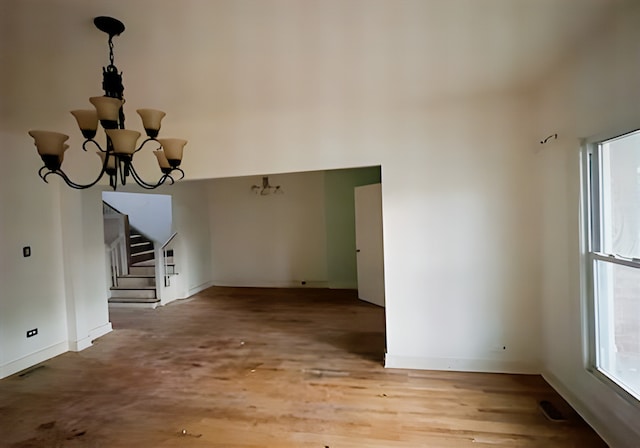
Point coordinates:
[(26, 251)]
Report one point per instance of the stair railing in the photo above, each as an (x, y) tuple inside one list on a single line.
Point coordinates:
[(166, 252), (165, 270), (118, 248), (118, 255)]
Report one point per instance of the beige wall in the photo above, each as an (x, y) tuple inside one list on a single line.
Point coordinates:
[(460, 226), (51, 288), (305, 233), (277, 240), (480, 225), (592, 94)]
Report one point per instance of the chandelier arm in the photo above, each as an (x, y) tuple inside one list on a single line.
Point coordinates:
[(146, 185), (73, 184), (181, 173), (43, 177), (90, 140), (147, 140), (68, 181)]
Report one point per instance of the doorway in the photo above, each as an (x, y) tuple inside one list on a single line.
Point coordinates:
[(369, 245)]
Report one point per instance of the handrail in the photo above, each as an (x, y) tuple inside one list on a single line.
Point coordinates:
[(118, 259), (169, 240), (164, 264), (104, 203)]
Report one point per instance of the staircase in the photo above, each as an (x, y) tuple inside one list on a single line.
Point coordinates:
[(140, 247), (134, 285), (138, 287)]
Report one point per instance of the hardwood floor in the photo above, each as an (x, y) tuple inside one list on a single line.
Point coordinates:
[(235, 367)]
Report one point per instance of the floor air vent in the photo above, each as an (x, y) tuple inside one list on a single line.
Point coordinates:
[(552, 412)]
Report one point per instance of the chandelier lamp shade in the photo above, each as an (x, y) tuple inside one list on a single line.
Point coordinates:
[(116, 154)]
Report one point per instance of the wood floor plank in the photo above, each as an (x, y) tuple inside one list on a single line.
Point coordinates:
[(250, 367)]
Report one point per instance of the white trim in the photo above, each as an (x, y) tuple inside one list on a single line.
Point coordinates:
[(603, 428), (86, 342), (32, 359), (199, 288), (588, 151), (590, 252), (100, 331), (616, 259), (460, 365), (80, 344), (344, 285), (614, 134), (322, 284)]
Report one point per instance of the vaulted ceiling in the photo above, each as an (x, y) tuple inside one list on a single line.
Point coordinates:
[(204, 58)]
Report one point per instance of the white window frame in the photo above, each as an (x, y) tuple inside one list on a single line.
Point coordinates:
[(591, 241)]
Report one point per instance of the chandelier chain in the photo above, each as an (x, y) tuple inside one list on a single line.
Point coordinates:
[(111, 58)]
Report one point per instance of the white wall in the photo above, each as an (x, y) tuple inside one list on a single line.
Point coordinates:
[(293, 224), (83, 253), (276, 240), (461, 236), (460, 211), (32, 293), (192, 248), (461, 226), (149, 213), (477, 224), (36, 291), (593, 94)]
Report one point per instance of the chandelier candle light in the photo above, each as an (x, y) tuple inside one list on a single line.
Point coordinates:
[(121, 144)]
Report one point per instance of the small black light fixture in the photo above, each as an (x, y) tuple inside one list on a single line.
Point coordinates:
[(121, 144), (266, 188), (548, 139)]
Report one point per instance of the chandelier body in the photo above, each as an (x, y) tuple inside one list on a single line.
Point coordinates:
[(121, 144)]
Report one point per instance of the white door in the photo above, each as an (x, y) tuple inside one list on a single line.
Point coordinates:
[(369, 251)]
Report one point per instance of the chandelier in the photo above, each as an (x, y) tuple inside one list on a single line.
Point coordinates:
[(121, 144), (266, 188)]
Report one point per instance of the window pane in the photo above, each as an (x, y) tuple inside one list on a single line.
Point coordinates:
[(617, 293), (620, 196)]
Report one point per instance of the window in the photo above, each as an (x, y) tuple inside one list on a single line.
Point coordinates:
[(614, 259)]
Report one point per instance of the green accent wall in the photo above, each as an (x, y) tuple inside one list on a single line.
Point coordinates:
[(340, 222)]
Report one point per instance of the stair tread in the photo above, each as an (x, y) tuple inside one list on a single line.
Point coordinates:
[(132, 300), (137, 276), (144, 264), (133, 288)]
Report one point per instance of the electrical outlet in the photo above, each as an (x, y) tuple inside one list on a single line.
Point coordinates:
[(31, 333)]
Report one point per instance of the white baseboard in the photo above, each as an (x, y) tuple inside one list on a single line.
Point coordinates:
[(100, 331), (80, 344), (199, 288), (34, 358), (460, 365), (86, 342), (276, 284), (343, 285)]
